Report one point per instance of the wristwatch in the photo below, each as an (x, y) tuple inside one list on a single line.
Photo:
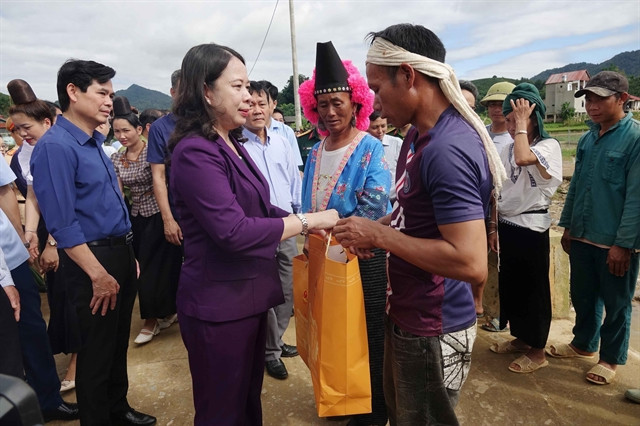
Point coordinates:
[(52, 243), (305, 224)]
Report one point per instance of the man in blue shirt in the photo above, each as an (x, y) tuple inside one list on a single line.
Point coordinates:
[(157, 153), (79, 197), (36, 354), (272, 154)]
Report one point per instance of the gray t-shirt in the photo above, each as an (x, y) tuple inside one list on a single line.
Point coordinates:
[(500, 139)]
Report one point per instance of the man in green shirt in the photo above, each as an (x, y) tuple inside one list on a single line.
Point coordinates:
[(601, 218)]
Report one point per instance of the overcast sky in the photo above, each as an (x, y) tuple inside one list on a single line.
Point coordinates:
[(144, 41)]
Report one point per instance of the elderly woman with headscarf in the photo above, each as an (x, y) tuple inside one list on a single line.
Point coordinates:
[(534, 168), (346, 171)]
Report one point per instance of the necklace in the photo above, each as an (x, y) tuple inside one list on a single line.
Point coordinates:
[(127, 162), (330, 180)]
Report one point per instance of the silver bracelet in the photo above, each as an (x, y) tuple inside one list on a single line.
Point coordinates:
[(305, 224), (522, 132)]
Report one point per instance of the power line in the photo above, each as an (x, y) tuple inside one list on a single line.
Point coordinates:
[(265, 37)]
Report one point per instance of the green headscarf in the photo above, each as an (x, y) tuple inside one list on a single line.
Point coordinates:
[(529, 92)]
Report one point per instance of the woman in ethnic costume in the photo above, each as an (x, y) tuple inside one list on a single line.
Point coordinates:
[(346, 171), (534, 167)]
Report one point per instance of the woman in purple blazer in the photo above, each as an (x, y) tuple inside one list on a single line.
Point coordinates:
[(230, 275)]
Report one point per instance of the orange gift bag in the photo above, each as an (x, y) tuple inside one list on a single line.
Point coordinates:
[(331, 330)]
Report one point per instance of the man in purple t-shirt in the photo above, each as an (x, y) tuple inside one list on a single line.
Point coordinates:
[(436, 235)]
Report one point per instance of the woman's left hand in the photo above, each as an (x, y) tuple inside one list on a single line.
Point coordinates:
[(49, 259)]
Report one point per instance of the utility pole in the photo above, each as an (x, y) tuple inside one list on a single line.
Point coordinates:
[(294, 58)]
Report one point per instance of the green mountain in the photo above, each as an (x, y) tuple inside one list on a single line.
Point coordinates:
[(143, 98), (628, 62)]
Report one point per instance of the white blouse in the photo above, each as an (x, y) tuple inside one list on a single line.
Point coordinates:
[(526, 190)]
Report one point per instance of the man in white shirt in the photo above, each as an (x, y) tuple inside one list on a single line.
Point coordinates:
[(40, 367), (273, 156), (275, 126), (10, 355), (391, 144)]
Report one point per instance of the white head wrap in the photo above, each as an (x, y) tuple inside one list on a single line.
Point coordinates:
[(387, 54)]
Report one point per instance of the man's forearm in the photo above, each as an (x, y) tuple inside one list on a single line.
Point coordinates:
[(160, 191), (461, 254), (32, 211), (87, 261)]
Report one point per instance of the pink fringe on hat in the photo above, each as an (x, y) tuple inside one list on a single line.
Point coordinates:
[(360, 94)]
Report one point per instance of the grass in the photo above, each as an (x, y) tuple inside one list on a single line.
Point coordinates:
[(568, 153)]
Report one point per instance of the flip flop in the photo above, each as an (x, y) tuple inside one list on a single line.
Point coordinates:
[(526, 365), (601, 371), (564, 350), (494, 326), (506, 347)]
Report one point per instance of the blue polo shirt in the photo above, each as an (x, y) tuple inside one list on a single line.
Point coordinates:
[(159, 134), (76, 186)]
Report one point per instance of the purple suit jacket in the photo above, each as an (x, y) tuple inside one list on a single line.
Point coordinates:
[(230, 229)]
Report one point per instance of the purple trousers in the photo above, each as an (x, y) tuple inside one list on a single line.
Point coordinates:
[(226, 360)]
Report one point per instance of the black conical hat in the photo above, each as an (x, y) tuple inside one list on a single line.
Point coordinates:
[(121, 106), (331, 75)]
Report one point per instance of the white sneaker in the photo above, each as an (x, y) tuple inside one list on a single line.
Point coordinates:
[(167, 321), (145, 335)]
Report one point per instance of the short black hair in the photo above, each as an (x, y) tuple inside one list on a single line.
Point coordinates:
[(470, 87), (81, 74), (278, 110), (175, 79), (413, 38), (272, 91), (374, 116), (259, 87), (149, 115)]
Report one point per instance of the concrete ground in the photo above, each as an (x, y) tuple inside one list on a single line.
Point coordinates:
[(160, 384)]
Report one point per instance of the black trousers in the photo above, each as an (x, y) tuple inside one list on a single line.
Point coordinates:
[(525, 293), (101, 373), (10, 354)]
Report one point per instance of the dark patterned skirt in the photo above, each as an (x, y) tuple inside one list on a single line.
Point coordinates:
[(373, 273), (160, 263)]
